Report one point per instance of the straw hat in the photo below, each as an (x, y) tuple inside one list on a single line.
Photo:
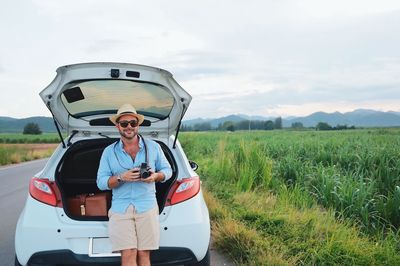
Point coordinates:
[(127, 109)]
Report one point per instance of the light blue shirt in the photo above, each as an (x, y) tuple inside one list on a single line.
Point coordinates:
[(115, 160)]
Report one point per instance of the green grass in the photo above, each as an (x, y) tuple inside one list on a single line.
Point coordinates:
[(16, 153), (21, 138), (332, 197)]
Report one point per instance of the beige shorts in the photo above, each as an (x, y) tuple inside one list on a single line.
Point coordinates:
[(131, 230)]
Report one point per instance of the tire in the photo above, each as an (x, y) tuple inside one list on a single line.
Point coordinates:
[(204, 262), (17, 262)]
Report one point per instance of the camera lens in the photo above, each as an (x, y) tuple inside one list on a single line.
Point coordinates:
[(144, 172)]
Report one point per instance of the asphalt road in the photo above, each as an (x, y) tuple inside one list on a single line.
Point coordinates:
[(14, 182)]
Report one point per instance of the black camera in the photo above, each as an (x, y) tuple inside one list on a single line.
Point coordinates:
[(144, 171)]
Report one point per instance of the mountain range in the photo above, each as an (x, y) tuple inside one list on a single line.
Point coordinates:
[(358, 118), (13, 125)]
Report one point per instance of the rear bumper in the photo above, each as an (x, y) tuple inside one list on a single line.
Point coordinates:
[(162, 256)]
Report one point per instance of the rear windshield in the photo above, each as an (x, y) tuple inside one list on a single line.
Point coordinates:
[(91, 97)]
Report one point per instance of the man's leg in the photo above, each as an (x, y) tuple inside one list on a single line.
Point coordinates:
[(143, 257), (123, 235), (128, 257), (148, 234)]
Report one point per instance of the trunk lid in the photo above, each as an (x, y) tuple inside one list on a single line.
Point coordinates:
[(83, 96)]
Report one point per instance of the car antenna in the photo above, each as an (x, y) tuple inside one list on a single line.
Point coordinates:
[(56, 124), (179, 125)]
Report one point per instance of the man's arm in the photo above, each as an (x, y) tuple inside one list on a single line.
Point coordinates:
[(105, 179), (162, 171)]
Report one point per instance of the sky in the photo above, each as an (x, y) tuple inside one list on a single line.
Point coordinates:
[(257, 57)]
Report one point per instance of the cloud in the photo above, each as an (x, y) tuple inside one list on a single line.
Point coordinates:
[(251, 57), (102, 45), (196, 63), (302, 90)]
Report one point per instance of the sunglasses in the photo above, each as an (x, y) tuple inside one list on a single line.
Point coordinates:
[(124, 124)]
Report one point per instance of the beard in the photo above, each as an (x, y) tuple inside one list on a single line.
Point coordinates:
[(128, 133)]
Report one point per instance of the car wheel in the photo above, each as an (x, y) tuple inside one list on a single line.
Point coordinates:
[(17, 262), (204, 262)]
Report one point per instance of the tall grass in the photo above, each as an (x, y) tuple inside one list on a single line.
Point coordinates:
[(355, 174), (247, 166), (10, 153)]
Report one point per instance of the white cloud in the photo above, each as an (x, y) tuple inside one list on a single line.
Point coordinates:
[(344, 8), (256, 57)]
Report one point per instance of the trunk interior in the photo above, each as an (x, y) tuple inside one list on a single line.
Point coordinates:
[(77, 173)]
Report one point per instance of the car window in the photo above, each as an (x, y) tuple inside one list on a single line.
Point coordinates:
[(92, 97)]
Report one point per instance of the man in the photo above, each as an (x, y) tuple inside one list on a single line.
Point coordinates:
[(133, 217)]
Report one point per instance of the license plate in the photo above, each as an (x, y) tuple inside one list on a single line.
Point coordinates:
[(101, 247)]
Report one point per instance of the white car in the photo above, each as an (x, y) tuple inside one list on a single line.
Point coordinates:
[(81, 98)]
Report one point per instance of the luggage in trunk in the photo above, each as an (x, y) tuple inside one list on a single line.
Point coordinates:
[(89, 204)]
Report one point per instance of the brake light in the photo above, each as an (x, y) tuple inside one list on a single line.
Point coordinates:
[(45, 191), (183, 190)]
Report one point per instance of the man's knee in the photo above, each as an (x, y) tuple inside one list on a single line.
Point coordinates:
[(127, 253), (143, 257), (143, 253)]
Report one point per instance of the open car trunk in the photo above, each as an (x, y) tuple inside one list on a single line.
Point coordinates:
[(77, 173)]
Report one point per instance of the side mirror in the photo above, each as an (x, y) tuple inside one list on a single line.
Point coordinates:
[(193, 165)]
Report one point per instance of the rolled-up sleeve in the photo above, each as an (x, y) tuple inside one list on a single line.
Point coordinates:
[(104, 172), (162, 164)]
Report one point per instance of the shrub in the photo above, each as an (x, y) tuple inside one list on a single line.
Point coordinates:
[(32, 129)]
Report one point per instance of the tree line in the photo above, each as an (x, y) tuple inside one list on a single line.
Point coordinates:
[(240, 125), (258, 125)]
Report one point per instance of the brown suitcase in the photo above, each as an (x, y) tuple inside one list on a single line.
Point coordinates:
[(89, 204)]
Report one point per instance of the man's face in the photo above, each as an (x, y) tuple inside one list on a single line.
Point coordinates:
[(127, 132)]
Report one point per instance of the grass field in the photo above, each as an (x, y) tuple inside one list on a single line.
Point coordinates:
[(302, 198), (16, 148), (21, 138), (16, 153)]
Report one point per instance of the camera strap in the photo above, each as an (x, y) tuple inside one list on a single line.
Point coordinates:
[(145, 149)]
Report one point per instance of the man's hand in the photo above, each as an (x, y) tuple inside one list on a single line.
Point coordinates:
[(132, 175), (154, 177)]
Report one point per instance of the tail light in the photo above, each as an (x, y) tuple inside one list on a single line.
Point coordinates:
[(183, 190), (45, 191)]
